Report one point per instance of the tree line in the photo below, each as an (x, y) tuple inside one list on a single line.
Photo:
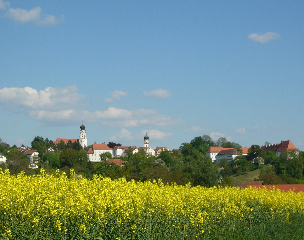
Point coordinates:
[(188, 164)]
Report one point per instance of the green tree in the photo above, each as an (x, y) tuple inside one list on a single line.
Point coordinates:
[(82, 158), (254, 152), (68, 157), (53, 159), (202, 171), (17, 162), (40, 144), (104, 156)]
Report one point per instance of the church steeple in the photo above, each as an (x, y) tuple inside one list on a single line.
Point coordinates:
[(146, 143), (83, 137)]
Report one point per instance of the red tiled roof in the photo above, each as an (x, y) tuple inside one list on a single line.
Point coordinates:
[(65, 140), (29, 152), (245, 150), (280, 147), (102, 146), (217, 149), (118, 162), (162, 148), (90, 151)]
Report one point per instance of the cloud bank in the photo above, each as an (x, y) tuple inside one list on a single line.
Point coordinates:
[(263, 38), (54, 105), (159, 93), (26, 16)]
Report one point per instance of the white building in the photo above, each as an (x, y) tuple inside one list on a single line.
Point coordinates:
[(229, 154), (96, 150), (2, 158)]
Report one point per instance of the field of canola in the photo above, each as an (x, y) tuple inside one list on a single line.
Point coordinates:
[(57, 207)]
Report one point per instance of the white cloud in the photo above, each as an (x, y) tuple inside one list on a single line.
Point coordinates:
[(57, 105), (3, 4), (47, 99), (193, 129), (263, 38), (118, 94), (156, 134), (216, 135), (159, 93), (241, 131), (34, 15), (124, 134)]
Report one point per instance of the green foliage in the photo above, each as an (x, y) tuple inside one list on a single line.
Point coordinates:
[(104, 156), (17, 162), (40, 144), (53, 159), (68, 157)]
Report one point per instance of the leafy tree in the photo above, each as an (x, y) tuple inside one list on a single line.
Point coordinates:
[(202, 171), (82, 158), (53, 159), (40, 144), (104, 156), (17, 162), (221, 142), (68, 157), (254, 152), (202, 144)]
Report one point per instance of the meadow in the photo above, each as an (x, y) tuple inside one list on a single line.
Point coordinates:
[(55, 206)]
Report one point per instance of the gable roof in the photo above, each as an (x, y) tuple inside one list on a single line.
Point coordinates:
[(29, 152), (65, 140), (230, 151), (90, 151), (245, 150), (217, 149), (160, 148), (280, 147), (102, 146)]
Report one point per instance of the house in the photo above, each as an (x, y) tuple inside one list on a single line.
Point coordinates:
[(117, 162), (119, 151), (96, 150), (229, 154), (279, 148), (158, 150), (2, 158), (33, 155), (213, 151)]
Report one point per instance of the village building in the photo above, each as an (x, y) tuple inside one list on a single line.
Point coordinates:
[(2, 158), (214, 151), (33, 155), (279, 148)]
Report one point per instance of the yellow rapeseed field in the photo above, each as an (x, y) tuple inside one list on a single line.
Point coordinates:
[(57, 207)]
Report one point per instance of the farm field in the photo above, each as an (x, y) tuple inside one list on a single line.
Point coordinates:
[(57, 207)]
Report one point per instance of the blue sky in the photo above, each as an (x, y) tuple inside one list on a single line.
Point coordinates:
[(174, 69)]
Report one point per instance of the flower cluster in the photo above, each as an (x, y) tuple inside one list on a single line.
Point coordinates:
[(53, 206)]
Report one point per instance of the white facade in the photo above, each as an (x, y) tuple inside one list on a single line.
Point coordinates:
[(2, 158), (96, 150), (83, 141)]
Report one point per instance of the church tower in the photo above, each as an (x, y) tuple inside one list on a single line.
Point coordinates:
[(146, 143), (83, 137)]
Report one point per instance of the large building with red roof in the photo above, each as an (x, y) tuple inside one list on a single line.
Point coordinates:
[(279, 148)]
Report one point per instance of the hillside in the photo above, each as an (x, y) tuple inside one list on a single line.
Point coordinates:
[(248, 176)]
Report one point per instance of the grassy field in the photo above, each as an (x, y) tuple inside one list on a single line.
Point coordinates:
[(249, 176)]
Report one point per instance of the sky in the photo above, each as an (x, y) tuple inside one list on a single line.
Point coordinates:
[(174, 69)]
